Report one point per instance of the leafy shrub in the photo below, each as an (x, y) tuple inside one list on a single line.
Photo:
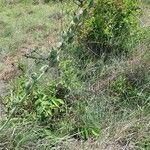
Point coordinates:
[(53, 106), (43, 103), (111, 26)]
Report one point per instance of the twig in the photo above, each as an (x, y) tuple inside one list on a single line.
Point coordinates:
[(34, 57)]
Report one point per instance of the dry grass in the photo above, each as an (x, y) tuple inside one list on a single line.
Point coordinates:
[(128, 132)]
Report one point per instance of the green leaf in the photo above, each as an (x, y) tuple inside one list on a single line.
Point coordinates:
[(95, 133), (55, 102), (86, 133), (60, 101), (44, 97), (49, 112)]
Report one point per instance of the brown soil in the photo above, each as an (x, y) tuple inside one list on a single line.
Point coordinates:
[(10, 62)]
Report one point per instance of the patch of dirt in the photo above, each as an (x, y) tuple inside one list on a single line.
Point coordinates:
[(95, 145), (53, 38), (36, 28), (145, 20), (10, 62), (9, 72), (56, 16)]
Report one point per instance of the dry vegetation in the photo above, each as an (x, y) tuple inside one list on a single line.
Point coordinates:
[(81, 102)]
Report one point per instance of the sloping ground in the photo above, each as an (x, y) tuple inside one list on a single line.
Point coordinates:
[(133, 133), (23, 28), (136, 127)]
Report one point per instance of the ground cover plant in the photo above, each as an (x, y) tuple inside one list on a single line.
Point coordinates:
[(74, 75)]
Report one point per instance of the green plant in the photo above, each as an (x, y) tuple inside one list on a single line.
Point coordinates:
[(47, 104), (144, 144), (86, 132), (111, 26), (126, 92), (43, 103)]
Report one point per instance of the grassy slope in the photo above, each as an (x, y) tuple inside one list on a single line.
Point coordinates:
[(22, 26), (25, 26)]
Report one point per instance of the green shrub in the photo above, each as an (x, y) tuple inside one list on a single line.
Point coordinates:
[(54, 106), (44, 103), (144, 144), (111, 26)]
